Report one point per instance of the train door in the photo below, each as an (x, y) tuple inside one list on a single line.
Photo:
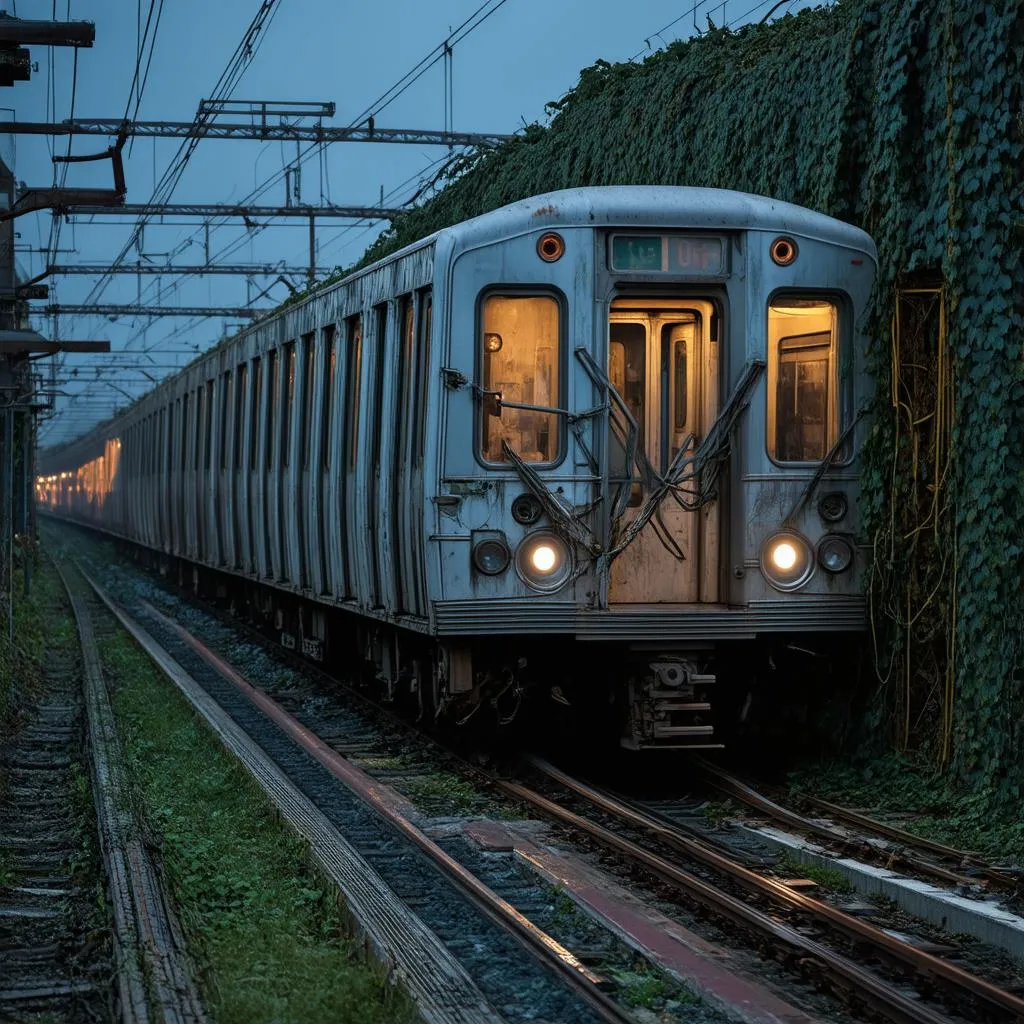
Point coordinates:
[(663, 362)]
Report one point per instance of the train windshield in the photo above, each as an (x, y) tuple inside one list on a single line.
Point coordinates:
[(521, 345)]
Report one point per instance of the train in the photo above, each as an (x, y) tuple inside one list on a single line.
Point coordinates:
[(582, 451)]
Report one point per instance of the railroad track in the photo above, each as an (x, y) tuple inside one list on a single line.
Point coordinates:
[(665, 847), (842, 972), (442, 928), (58, 965), (915, 854)]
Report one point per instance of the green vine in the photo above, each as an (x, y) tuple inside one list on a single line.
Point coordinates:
[(904, 117)]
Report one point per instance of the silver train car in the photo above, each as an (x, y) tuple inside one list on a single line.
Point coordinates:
[(576, 447)]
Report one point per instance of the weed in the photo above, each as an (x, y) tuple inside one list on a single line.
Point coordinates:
[(717, 813), (266, 931), (828, 878)]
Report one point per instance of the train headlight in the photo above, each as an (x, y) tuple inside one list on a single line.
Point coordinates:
[(543, 561), (835, 553), (491, 555), (786, 561)]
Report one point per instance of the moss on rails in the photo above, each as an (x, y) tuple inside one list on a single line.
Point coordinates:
[(266, 932)]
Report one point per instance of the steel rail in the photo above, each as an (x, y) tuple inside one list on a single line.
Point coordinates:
[(583, 982), (734, 787), (150, 953), (990, 872), (775, 889), (879, 995)]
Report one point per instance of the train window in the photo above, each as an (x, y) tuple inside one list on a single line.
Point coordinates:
[(803, 407), (627, 368), (254, 413), (240, 383), (184, 432), (330, 359), (422, 358), (521, 352), (289, 403), (307, 397), (225, 405), (208, 425), (274, 395), (353, 370)]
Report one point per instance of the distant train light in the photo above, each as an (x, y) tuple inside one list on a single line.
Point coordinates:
[(835, 554), (543, 561), (786, 561)]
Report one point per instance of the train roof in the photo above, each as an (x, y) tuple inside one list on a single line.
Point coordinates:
[(660, 206)]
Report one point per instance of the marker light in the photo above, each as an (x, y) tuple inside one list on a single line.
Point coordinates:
[(543, 561), (786, 561), (835, 554)]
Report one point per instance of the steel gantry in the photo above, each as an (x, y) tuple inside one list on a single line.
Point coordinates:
[(263, 131)]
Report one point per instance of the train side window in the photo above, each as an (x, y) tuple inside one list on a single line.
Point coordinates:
[(330, 357), (254, 413), (353, 370), (308, 347), (274, 396), (521, 346), (289, 403), (422, 361), (241, 378), (184, 431), (208, 425), (803, 393), (225, 406)]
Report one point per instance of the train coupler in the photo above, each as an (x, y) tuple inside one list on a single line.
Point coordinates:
[(669, 708)]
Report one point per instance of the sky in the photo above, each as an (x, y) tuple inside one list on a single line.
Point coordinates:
[(523, 54)]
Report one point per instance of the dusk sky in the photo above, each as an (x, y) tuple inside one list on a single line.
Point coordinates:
[(526, 53)]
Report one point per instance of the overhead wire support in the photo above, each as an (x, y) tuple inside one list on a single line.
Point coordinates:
[(366, 132), (108, 310), (179, 270), (229, 210)]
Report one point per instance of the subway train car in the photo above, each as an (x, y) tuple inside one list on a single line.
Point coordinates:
[(579, 451)]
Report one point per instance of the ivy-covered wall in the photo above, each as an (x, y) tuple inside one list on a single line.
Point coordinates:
[(904, 117)]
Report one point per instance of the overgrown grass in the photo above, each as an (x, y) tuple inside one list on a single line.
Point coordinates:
[(266, 932), (896, 784), (827, 878), (20, 661)]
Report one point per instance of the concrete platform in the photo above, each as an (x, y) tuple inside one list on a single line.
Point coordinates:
[(984, 919)]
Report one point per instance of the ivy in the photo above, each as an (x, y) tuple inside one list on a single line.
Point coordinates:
[(904, 117)]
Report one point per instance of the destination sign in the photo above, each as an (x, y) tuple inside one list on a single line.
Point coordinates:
[(668, 254)]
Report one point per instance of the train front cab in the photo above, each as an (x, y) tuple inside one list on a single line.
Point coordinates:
[(678, 406)]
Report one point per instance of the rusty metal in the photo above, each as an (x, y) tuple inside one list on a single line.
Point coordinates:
[(150, 945), (923, 963), (997, 876), (875, 992), (577, 976), (731, 786)]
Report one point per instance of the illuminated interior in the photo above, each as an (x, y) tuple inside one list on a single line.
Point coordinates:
[(91, 484), (521, 362), (803, 399)]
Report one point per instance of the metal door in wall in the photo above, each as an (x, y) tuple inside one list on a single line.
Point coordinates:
[(662, 361)]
